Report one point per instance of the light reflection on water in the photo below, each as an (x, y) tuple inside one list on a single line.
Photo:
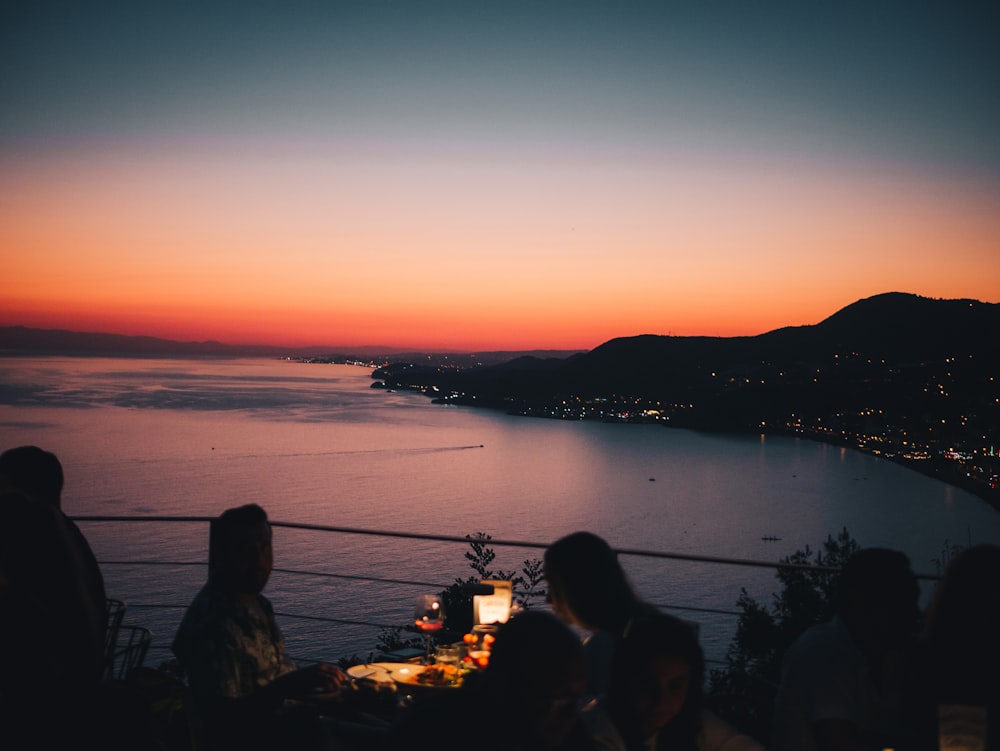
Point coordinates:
[(315, 444)]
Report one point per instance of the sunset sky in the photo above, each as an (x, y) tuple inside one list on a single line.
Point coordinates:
[(483, 176)]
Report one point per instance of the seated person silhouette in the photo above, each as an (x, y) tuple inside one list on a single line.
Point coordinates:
[(38, 474), (588, 589), (526, 698), (655, 698), (53, 618), (243, 682), (956, 665), (33, 471), (51, 632), (45, 547), (840, 687)]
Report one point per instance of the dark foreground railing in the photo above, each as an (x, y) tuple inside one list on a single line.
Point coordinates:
[(741, 690), (160, 648)]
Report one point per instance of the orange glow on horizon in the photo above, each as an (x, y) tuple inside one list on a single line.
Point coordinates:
[(205, 250)]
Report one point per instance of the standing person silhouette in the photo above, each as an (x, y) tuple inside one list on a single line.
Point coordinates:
[(229, 645), (840, 687)]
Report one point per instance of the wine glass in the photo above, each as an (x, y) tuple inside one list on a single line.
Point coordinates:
[(428, 616)]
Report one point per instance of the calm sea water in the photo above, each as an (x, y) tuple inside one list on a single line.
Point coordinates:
[(315, 444)]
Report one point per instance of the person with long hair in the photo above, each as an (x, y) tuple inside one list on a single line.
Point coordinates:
[(588, 589), (655, 694), (240, 675)]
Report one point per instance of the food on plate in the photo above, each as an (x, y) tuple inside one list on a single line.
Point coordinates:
[(439, 675)]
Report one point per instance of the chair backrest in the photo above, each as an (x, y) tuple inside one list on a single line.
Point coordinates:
[(129, 651), (114, 612)]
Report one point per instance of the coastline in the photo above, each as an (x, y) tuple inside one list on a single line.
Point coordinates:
[(930, 464), (948, 471)]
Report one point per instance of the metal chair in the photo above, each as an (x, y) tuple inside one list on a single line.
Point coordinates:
[(114, 612), (128, 652)]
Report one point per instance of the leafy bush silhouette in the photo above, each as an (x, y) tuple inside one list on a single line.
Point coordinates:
[(743, 690), (458, 600)]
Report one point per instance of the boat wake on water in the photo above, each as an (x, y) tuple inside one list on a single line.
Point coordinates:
[(349, 452)]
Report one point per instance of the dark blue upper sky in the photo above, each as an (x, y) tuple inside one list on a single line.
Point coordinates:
[(912, 81)]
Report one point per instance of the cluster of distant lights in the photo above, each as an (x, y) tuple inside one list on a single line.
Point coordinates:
[(578, 408), (611, 408)]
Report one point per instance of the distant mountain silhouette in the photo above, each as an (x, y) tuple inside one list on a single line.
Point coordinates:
[(21, 339), (61, 341), (899, 325), (737, 382), (894, 326)]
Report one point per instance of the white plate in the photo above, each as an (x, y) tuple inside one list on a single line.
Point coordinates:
[(406, 673), (376, 671)]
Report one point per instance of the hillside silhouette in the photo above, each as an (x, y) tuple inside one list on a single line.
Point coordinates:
[(906, 377), (894, 330)]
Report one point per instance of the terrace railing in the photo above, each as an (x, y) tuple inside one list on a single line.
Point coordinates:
[(159, 651)]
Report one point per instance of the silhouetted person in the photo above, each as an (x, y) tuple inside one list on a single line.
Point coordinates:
[(39, 475), (588, 588), (70, 580), (957, 661), (51, 640), (654, 698), (56, 605), (242, 680), (841, 680), (35, 472), (53, 618), (526, 698)]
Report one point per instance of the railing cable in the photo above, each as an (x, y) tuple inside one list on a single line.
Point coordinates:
[(466, 539)]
